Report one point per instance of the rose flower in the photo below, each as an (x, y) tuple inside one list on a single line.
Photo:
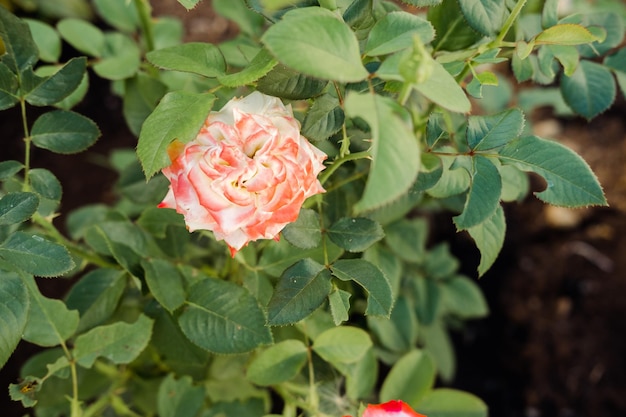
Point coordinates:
[(246, 174), (393, 408)]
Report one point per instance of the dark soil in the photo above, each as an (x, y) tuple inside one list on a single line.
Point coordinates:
[(555, 342)]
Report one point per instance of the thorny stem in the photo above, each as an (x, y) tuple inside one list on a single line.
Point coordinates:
[(509, 22), (27, 141), (143, 9), (340, 161)]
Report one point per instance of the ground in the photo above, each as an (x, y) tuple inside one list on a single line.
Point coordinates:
[(554, 344)]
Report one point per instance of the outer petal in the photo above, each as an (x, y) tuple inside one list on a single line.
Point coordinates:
[(393, 408)]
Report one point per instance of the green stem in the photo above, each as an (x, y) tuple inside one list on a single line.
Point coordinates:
[(145, 20), (340, 161), (509, 22), (27, 142)]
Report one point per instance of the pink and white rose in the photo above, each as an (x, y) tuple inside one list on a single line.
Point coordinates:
[(246, 174)]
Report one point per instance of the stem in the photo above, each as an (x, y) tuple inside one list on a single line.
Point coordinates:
[(27, 142), (509, 22), (145, 20), (340, 161)]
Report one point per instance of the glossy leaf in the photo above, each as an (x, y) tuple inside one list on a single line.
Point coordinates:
[(195, 57), (261, 64), (410, 378), (35, 255), (489, 238), (302, 288), (62, 83), (64, 132), (82, 35), (355, 234), (484, 16), (165, 283), (488, 132), (119, 342), (484, 194), (222, 317), (590, 90), (332, 48), (395, 32), (305, 232), (18, 43), (96, 296), (570, 181), (371, 278), (450, 402), (289, 84), (14, 304), (342, 345), (565, 34), (179, 115), (179, 398), (17, 207), (278, 363), (395, 154), (50, 322)]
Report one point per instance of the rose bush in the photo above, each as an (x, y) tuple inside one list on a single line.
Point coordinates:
[(246, 174), (393, 408)]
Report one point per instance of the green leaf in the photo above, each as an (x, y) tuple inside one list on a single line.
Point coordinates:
[(222, 317), (58, 86), (248, 21), (119, 342), (281, 255), (96, 296), (21, 50), (156, 220), (14, 303), (407, 238), (484, 194), (590, 90), (489, 238), (179, 398), (442, 89), (120, 58), (64, 132), (437, 342), (488, 132), (261, 64), (342, 345), (75, 96), (305, 232), (302, 288), (278, 363), (195, 57), (485, 16), (120, 14), (565, 34), (567, 56), (141, 95), (399, 333), (289, 84), (83, 36), (47, 40), (339, 303), (570, 181), (447, 402), (463, 298), (332, 48), (179, 115), (50, 322), (189, 4), (9, 169), (453, 33), (395, 32), (165, 283), (394, 151), (17, 207), (371, 278), (8, 88), (324, 118), (35, 255), (410, 378), (44, 183), (355, 234)]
